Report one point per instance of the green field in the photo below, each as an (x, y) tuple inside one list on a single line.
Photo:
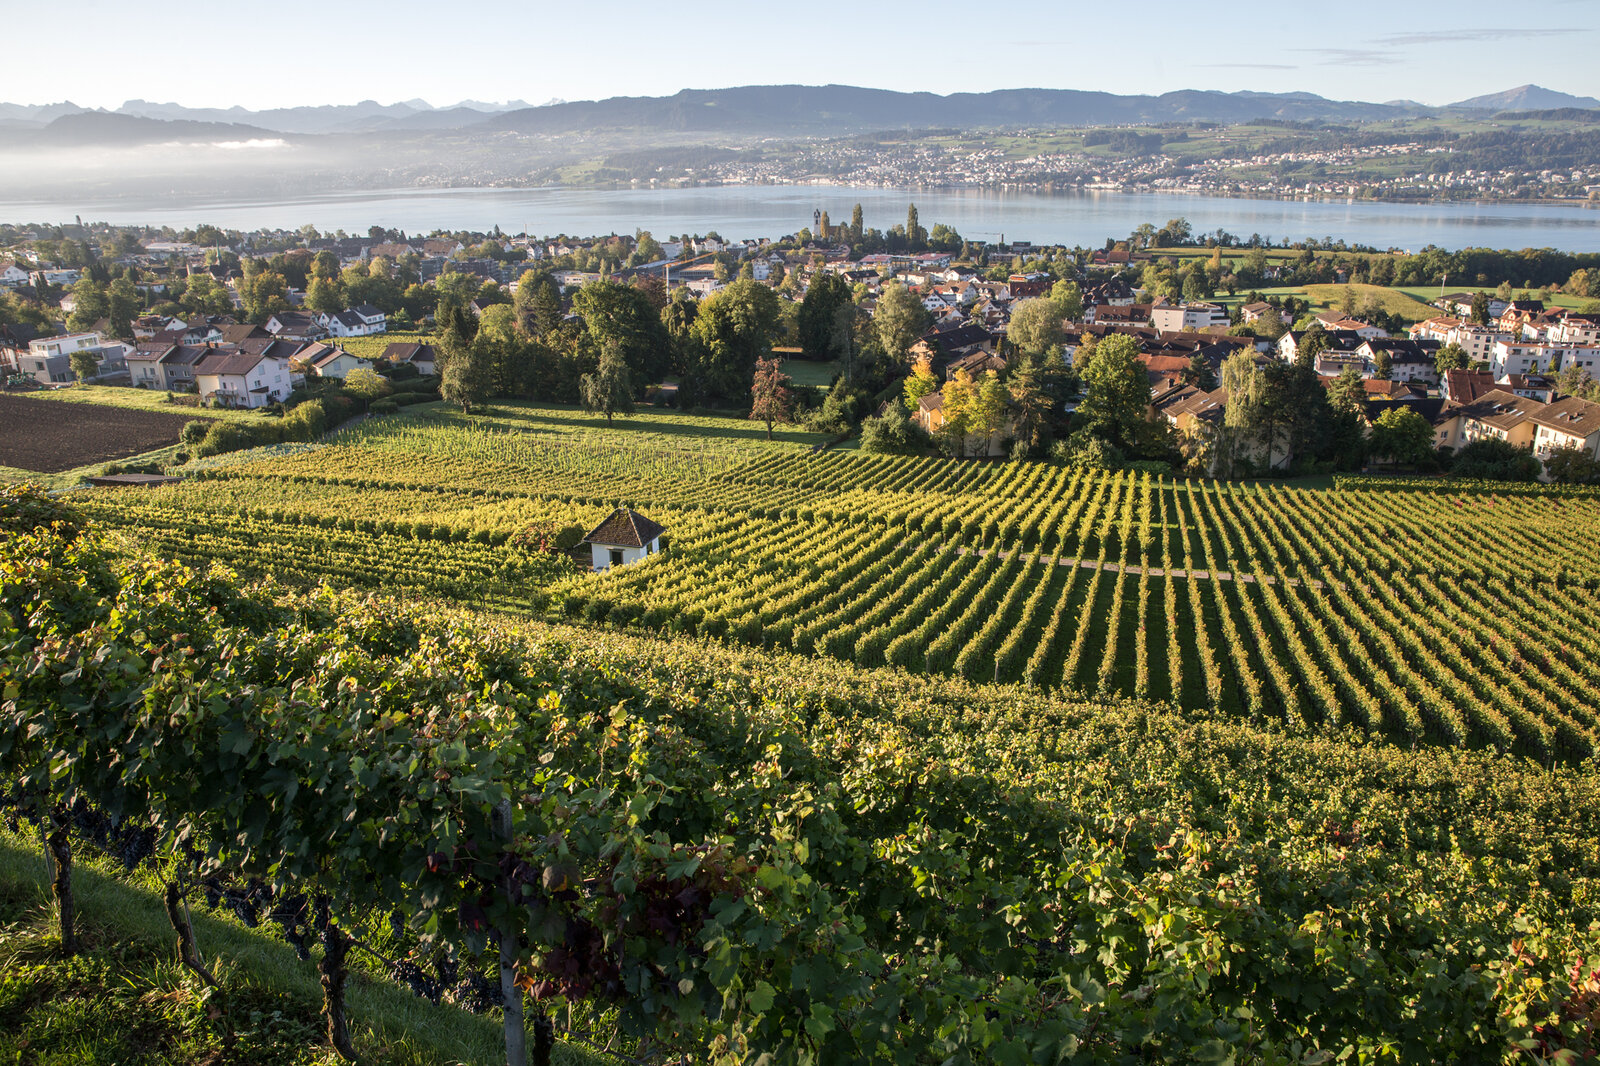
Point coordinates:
[(810, 372), (1394, 301), (1306, 608)]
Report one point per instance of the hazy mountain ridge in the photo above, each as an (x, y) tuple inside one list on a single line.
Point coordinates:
[(777, 110), (792, 109), (1527, 98)]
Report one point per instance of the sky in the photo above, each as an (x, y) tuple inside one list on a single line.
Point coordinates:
[(306, 52)]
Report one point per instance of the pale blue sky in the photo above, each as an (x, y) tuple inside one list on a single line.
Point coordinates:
[(99, 53)]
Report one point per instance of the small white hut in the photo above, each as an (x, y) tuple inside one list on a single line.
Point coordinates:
[(626, 536)]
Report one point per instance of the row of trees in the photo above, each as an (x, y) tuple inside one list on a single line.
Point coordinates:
[(624, 337)]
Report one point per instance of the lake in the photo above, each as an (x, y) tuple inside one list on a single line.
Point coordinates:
[(744, 211)]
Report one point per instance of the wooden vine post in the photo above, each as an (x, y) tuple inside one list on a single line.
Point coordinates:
[(510, 994)]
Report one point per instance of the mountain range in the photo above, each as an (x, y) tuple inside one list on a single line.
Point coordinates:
[(766, 110), (1527, 98)]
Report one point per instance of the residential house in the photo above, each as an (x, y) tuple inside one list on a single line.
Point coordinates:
[(232, 335), (1332, 320), (1188, 317), (326, 361), (49, 359), (1116, 292), (241, 378), (1567, 423), (1025, 286), (11, 275), (1409, 360), (1252, 312), (1499, 415), (421, 356), (1338, 341), (1518, 313), (296, 325), (1117, 314), (14, 339), (1535, 357), (154, 365), (363, 320), (1533, 386), (1477, 342), (1575, 329), (625, 537), (1459, 304), (1465, 386)]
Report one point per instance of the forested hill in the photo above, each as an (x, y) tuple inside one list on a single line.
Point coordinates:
[(779, 109)]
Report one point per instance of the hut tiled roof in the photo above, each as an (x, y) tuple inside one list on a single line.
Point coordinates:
[(625, 528)]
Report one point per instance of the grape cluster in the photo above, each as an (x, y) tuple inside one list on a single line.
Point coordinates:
[(290, 913), (417, 979)]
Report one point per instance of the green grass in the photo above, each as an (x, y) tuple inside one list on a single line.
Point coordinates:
[(647, 428), (807, 372), (125, 999), (1392, 300), (138, 400)]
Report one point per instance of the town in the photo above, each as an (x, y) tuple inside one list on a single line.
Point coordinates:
[(1189, 352)]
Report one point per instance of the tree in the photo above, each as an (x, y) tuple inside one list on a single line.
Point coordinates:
[(956, 409), (537, 303), (1383, 366), (614, 313), (1118, 394), (1036, 325), (921, 381), (1450, 357), (916, 236), (324, 296), (1572, 466), (1039, 389), (85, 363), (899, 320), (465, 381), (265, 294), (855, 224), (1480, 309), (1347, 393), (1313, 342), (90, 304), (609, 390), (988, 411), (732, 329), (1403, 436), (123, 306), (770, 398), (366, 383), (1199, 373), (826, 294), (891, 433), (1269, 325)]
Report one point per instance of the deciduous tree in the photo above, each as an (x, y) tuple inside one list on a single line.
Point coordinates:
[(770, 398), (898, 320), (609, 390), (825, 295)]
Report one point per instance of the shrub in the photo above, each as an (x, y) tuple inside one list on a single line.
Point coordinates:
[(194, 432), (232, 437), (385, 407)]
